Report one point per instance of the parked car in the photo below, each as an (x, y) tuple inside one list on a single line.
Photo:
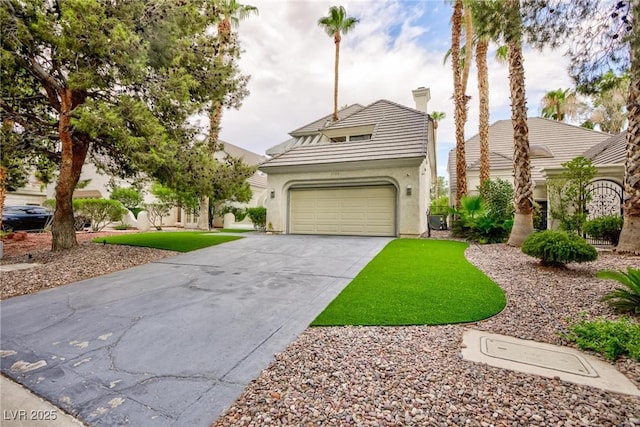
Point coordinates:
[(25, 218)]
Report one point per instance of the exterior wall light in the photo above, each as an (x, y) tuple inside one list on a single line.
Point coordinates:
[(409, 190), (272, 193)]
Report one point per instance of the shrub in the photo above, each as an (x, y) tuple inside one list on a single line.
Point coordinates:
[(609, 338), (258, 217), (475, 223), (557, 248), (99, 211), (606, 227), (623, 300), (123, 227), (498, 198)]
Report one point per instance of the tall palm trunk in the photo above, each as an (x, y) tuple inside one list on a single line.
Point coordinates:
[(337, 39), (460, 112), (523, 192), (483, 100), (630, 235)]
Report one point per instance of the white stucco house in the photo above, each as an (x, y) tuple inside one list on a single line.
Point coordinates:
[(368, 173), (551, 144)]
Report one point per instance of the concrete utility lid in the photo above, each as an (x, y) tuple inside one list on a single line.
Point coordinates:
[(532, 355), (544, 359)]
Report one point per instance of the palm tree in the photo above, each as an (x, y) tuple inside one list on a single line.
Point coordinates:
[(482, 47), (630, 235), (560, 104), (523, 192), (232, 13), (336, 24), (461, 100), (436, 116)]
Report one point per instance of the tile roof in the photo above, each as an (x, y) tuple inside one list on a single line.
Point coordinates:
[(610, 151), (258, 179), (399, 132), (321, 123), (563, 140)]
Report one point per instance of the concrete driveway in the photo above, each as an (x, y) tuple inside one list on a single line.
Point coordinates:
[(175, 342)]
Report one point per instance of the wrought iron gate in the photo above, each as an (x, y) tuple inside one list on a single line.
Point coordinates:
[(606, 199)]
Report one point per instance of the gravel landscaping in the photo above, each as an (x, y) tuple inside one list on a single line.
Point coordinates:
[(392, 376)]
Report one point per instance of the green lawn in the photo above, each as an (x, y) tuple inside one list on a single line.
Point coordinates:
[(416, 282), (181, 241)]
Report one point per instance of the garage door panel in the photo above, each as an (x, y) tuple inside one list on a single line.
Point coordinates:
[(348, 211)]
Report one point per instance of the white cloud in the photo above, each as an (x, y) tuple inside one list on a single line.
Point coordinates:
[(290, 60)]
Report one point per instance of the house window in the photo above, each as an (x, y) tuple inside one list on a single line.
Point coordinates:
[(365, 137), (360, 137)]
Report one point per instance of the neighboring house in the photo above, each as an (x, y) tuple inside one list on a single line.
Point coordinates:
[(100, 186), (369, 173), (551, 144)]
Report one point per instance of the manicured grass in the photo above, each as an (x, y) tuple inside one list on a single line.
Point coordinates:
[(235, 230), (181, 241), (416, 282)]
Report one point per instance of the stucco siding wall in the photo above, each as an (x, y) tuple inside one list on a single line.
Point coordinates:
[(411, 209)]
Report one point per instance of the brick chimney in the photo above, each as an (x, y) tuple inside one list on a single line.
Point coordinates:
[(421, 96)]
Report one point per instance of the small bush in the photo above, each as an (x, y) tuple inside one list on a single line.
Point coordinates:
[(609, 338), (99, 211), (606, 227), (258, 217), (122, 227), (475, 222), (557, 248), (623, 300), (498, 198)]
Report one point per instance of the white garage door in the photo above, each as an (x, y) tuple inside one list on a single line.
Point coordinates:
[(359, 211)]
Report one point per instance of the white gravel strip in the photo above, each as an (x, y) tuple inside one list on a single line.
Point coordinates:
[(414, 376)]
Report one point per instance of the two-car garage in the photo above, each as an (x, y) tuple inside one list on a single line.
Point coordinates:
[(359, 211)]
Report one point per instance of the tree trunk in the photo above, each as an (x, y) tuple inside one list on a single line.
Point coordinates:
[(523, 191), (483, 99), (3, 189), (337, 39), (203, 218), (73, 156), (460, 112), (630, 235)]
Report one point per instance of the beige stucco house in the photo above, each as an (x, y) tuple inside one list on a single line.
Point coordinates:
[(551, 144), (368, 173), (100, 186)]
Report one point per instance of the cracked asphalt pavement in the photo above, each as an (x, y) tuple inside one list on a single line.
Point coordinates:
[(174, 342)]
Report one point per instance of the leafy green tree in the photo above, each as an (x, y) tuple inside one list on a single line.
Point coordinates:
[(611, 41), (230, 184), (335, 25), (130, 198), (570, 194), (115, 82)]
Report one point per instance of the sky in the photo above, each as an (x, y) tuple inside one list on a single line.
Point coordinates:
[(396, 47)]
